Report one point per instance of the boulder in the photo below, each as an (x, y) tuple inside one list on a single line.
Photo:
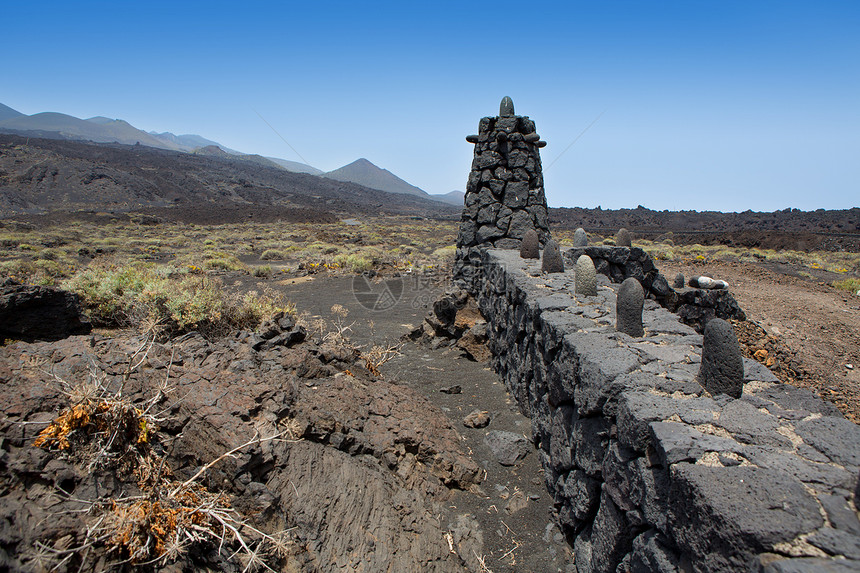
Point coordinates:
[(507, 447), (32, 313), (477, 419)]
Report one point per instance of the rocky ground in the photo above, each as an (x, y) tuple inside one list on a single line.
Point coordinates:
[(381, 459), (345, 466), (808, 330)]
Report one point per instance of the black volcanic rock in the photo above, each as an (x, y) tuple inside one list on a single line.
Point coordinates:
[(40, 313)]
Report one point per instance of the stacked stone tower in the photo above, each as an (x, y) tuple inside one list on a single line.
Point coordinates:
[(504, 194)]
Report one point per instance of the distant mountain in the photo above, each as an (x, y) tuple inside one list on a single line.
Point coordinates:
[(295, 166), (45, 175), (215, 151), (7, 112), (365, 173), (189, 142), (98, 129), (455, 198), (106, 130)]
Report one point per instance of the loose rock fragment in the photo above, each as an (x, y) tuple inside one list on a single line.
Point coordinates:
[(507, 447), (722, 370), (552, 261), (455, 389), (679, 281), (708, 283), (586, 277), (477, 419), (631, 299)]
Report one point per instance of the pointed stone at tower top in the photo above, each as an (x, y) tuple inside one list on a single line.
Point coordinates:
[(506, 109)]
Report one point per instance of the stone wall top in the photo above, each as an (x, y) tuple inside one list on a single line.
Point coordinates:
[(648, 471)]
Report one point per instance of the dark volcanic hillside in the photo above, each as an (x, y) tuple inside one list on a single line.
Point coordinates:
[(365, 173), (789, 228), (42, 175)]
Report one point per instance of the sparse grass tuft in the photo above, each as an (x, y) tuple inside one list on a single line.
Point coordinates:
[(852, 285)]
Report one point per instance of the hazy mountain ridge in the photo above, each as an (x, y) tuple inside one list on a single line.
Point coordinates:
[(453, 197), (41, 175), (190, 142), (295, 166), (215, 151), (100, 129)]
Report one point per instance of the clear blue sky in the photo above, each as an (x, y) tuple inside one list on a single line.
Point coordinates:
[(707, 104)]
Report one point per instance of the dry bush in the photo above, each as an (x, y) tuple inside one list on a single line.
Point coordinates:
[(169, 519)]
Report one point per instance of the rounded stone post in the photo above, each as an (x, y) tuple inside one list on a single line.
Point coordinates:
[(580, 238), (679, 281), (722, 370), (622, 239), (530, 245), (628, 308), (586, 276), (552, 261)]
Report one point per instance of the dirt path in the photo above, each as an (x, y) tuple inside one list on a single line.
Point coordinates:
[(817, 325), (510, 511)]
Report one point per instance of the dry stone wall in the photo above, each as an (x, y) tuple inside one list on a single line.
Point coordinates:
[(648, 471)]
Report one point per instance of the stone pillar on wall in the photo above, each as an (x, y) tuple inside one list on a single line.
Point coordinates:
[(504, 195)]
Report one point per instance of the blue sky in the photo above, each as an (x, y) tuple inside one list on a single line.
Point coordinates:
[(719, 105)]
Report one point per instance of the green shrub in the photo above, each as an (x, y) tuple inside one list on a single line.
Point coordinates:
[(273, 255), (224, 264), (263, 271), (354, 263), (154, 298), (447, 252)]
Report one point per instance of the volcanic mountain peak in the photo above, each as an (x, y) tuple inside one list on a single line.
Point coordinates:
[(7, 112), (365, 173)]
